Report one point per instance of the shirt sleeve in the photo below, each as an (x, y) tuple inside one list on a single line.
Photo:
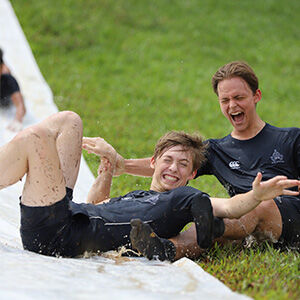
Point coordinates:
[(206, 168), (9, 85)]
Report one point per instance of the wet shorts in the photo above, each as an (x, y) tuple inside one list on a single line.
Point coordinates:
[(52, 230), (69, 229), (289, 208)]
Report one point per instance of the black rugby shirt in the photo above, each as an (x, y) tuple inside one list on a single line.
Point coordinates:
[(235, 163)]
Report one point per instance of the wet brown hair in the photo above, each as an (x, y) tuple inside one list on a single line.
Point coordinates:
[(189, 142), (235, 69)]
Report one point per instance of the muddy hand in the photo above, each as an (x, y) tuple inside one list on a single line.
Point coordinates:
[(273, 187), (99, 147)]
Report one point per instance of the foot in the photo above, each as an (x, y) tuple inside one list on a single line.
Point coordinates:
[(144, 239), (219, 227), (204, 221)]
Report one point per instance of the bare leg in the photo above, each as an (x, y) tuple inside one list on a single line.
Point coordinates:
[(50, 162), (264, 222), (186, 244), (67, 127)]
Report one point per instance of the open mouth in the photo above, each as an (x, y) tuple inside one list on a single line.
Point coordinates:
[(170, 178), (237, 117)]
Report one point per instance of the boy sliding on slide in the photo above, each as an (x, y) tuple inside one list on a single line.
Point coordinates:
[(52, 224)]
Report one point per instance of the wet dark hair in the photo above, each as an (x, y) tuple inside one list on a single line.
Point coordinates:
[(235, 69), (189, 142)]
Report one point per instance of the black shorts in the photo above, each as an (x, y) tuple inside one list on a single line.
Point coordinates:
[(52, 230), (289, 208), (69, 229)]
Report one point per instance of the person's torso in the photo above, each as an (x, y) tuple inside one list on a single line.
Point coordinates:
[(274, 151), (119, 209)]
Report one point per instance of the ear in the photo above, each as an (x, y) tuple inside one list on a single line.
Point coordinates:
[(152, 163), (193, 174), (257, 96)]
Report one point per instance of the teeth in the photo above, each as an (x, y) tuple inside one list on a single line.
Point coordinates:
[(235, 114), (170, 178)]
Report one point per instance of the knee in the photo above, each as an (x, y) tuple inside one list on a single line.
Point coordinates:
[(264, 207), (70, 117), (67, 120), (266, 210), (261, 213)]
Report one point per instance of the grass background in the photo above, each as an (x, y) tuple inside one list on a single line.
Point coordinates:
[(133, 69)]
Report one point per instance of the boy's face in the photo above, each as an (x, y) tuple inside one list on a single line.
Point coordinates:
[(238, 102), (174, 168)]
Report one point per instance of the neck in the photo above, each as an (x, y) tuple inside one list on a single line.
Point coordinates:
[(153, 187), (249, 132)]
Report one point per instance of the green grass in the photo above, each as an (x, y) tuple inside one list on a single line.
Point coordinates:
[(134, 69), (261, 272)]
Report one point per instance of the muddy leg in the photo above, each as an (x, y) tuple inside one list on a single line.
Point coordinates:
[(40, 151)]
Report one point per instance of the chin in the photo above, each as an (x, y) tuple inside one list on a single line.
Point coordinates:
[(168, 188)]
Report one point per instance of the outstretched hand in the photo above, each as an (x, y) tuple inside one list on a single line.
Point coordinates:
[(99, 147), (273, 187)]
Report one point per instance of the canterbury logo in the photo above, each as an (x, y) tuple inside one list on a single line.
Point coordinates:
[(234, 164)]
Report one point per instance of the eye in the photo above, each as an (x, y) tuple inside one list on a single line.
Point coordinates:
[(223, 101), (239, 97), (183, 164)]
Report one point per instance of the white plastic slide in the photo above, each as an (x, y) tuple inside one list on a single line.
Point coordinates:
[(27, 275)]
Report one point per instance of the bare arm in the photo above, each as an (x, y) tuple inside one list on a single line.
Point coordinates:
[(18, 101), (139, 167), (100, 190), (239, 205)]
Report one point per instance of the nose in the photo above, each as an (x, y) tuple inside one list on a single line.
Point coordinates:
[(232, 103), (173, 167)]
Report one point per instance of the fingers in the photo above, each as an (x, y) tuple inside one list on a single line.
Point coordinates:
[(93, 145), (273, 187), (290, 193), (89, 148), (287, 183), (257, 180), (95, 142), (276, 179), (282, 186), (89, 141)]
